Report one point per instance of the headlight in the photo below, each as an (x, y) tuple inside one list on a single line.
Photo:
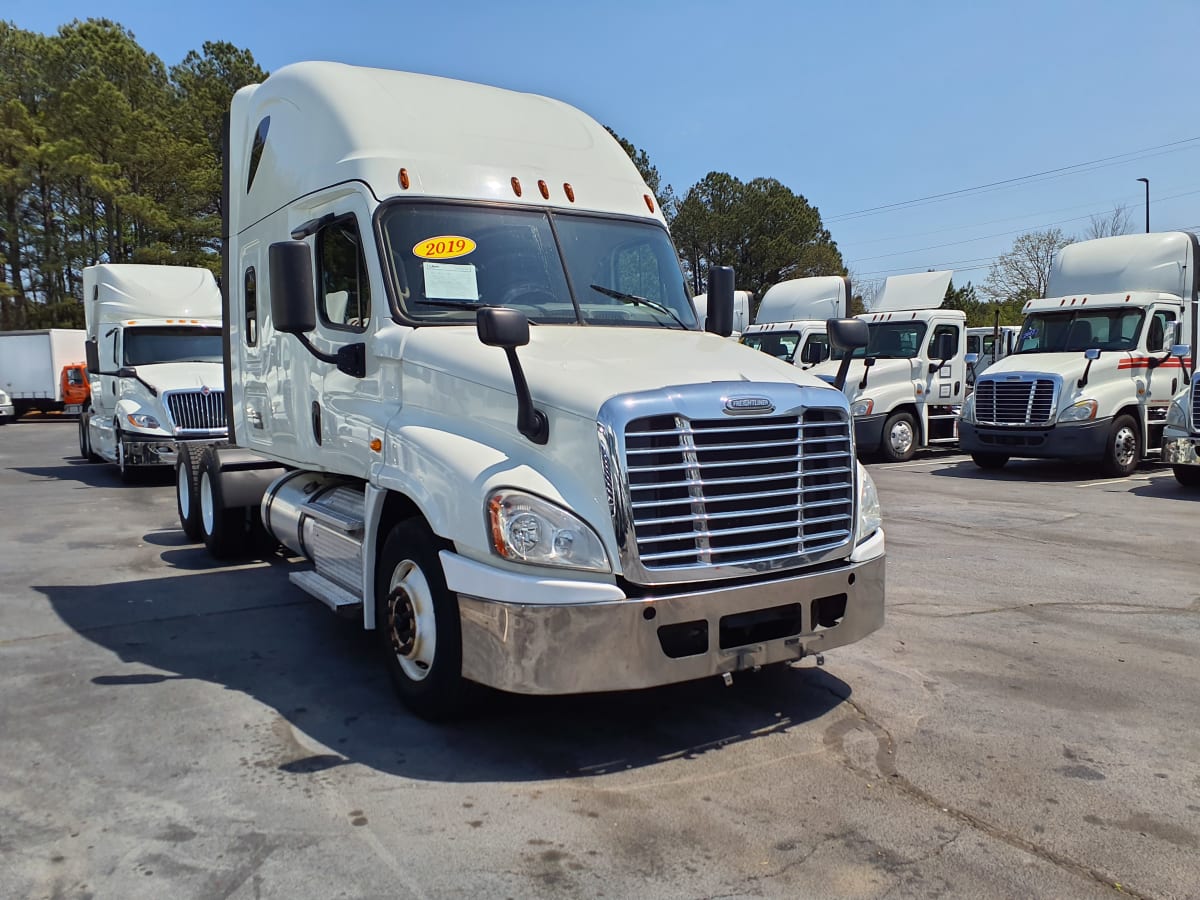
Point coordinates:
[(968, 410), (529, 529), (869, 516), (1177, 415), (862, 407), (140, 420), (1082, 411)]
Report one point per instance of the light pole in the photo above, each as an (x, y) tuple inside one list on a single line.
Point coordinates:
[(1146, 181)]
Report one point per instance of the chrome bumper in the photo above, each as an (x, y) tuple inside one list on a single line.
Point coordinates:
[(1181, 451), (149, 451), (617, 645)]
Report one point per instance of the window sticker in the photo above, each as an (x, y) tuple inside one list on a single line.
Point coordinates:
[(445, 281), (445, 246)]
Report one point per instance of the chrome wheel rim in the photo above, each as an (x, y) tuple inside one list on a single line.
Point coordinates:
[(1125, 447), (901, 437), (412, 629), (206, 503), (182, 489)]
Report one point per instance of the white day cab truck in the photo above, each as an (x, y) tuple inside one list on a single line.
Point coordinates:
[(31, 370), (906, 387), (154, 362), (989, 344), (741, 311), (467, 386), (790, 324), (1092, 374)]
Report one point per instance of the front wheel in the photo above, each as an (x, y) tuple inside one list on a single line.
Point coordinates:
[(416, 618), (85, 440), (1124, 449), (899, 437), (128, 471), (1188, 476), (989, 460)]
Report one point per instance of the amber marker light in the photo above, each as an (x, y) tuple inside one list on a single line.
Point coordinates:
[(569, 191), (497, 530), (545, 190), (404, 182), (516, 185), (649, 202), (376, 444)]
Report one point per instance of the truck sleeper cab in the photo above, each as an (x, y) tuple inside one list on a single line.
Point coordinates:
[(1092, 374), (468, 387)]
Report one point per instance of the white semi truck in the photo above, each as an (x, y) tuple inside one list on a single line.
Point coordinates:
[(467, 386), (741, 310), (154, 362), (907, 386), (1092, 376), (790, 324)]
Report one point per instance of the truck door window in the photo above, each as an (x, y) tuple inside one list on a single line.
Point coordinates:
[(973, 343), (344, 294), (251, 324), (811, 343), (780, 344), (1156, 339), (939, 330)]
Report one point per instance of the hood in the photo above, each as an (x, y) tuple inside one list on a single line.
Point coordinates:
[(1068, 366), (887, 371), (183, 376), (577, 368)]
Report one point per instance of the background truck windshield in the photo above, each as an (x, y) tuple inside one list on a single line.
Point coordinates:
[(780, 344), (447, 260), (1078, 330), (890, 340), (147, 346)]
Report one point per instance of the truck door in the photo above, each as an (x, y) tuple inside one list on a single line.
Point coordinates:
[(260, 399), (945, 386), (1163, 374)]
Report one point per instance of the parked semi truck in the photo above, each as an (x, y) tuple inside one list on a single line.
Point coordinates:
[(790, 324), (741, 310), (467, 386), (907, 386), (154, 363), (32, 365), (989, 344), (1092, 375)]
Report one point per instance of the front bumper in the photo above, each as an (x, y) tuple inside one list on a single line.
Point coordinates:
[(1072, 440), (624, 644), (155, 450), (868, 432), (8, 411), (1181, 450)]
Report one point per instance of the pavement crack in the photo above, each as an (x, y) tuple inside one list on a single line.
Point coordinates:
[(887, 772), (1115, 607)]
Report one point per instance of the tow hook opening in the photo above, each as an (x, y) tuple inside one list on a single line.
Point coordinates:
[(828, 611), (684, 638)]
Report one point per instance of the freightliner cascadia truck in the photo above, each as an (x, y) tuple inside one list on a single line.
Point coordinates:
[(1092, 374), (467, 386)]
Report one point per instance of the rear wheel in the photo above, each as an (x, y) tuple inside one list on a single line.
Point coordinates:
[(223, 529), (187, 488), (989, 460), (1124, 450), (899, 437), (1188, 476), (416, 618)]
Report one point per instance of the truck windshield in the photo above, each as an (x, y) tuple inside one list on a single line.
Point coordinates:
[(890, 340), (147, 346), (780, 344), (1076, 330), (448, 260)]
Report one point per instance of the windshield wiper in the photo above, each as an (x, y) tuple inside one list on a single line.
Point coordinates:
[(466, 304), (635, 300)]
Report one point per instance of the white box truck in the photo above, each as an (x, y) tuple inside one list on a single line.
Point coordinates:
[(467, 386), (31, 367), (1092, 376), (154, 358), (790, 324), (907, 386)]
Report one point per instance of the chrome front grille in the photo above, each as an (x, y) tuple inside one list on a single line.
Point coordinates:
[(197, 410), (1195, 405), (1005, 400), (760, 492)]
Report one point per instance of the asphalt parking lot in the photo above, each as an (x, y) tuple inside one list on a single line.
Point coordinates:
[(1025, 724)]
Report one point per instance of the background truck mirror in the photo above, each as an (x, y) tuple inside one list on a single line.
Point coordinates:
[(971, 358), (1180, 350), (848, 334), (92, 353), (293, 308), (720, 301), (1091, 353)]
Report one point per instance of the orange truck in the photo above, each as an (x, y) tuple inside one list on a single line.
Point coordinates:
[(74, 387)]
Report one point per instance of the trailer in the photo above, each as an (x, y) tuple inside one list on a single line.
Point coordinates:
[(31, 368)]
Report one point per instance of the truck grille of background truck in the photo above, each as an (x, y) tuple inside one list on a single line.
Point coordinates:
[(728, 492), (1027, 401), (196, 410)]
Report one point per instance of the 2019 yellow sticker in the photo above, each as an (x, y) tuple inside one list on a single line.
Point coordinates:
[(444, 246)]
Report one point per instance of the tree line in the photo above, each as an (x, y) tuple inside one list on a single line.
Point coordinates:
[(109, 155)]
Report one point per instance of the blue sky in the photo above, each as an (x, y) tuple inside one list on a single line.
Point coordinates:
[(853, 105)]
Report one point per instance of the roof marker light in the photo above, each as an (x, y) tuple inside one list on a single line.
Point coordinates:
[(649, 202), (570, 191), (516, 185), (404, 182), (545, 190), (376, 444)]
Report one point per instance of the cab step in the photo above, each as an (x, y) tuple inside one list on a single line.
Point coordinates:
[(332, 595)]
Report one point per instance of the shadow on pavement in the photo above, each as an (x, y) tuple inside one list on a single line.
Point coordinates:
[(99, 474), (1057, 471), (251, 631)]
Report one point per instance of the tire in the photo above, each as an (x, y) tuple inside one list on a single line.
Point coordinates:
[(85, 440), (1188, 476), (223, 530), (1124, 449), (418, 625), (187, 493), (899, 440), (989, 460)]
